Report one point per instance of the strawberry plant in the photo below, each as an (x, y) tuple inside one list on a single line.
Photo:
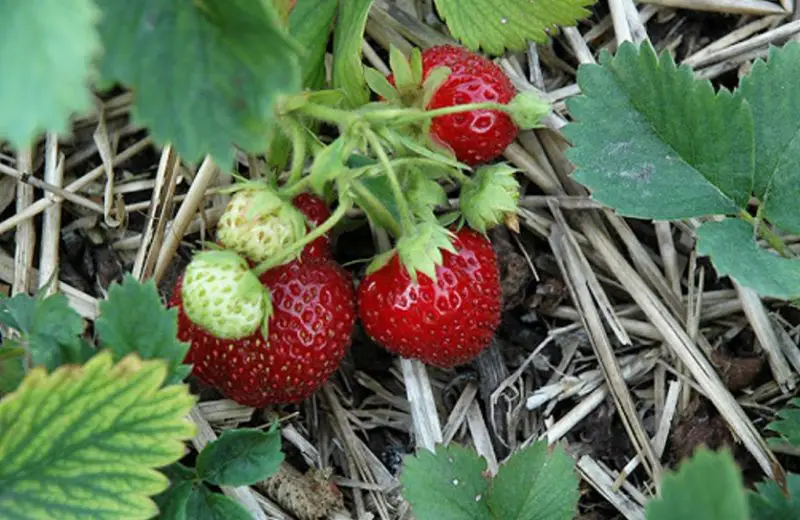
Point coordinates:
[(94, 425)]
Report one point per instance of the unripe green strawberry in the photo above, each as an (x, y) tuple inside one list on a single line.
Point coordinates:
[(222, 295), (258, 224)]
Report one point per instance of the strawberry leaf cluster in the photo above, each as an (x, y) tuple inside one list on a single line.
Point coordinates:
[(240, 457), (452, 484), (651, 141)]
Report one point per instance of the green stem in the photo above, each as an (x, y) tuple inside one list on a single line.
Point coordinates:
[(402, 204), (387, 219), (402, 116), (298, 152), (765, 233), (292, 189), (460, 176), (298, 246), (328, 114)]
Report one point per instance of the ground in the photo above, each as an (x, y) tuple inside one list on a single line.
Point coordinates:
[(361, 425)]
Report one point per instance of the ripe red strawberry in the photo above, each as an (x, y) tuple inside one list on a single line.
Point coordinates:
[(317, 212), (443, 324), (309, 333), (477, 136)]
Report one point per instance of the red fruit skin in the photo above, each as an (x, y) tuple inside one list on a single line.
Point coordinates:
[(443, 324), (317, 212), (309, 334), (478, 136)]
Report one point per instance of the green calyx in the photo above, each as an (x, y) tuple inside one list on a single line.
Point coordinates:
[(424, 193), (488, 197), (221, 295), (421, 250), (409, 89), (258, 223), (527, 110)]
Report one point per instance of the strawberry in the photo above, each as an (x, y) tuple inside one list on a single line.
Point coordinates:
[(316, 212), (258, 224), (222, 295), (476, 136), (443, 323), (309, 333)]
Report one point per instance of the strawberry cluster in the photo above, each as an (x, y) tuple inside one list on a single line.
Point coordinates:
[(270, 314)]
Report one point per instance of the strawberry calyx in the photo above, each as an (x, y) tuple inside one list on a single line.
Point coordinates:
[(221, 295), (419, 251), (258, 223), (527, 110), (489, 196), (410, 86)]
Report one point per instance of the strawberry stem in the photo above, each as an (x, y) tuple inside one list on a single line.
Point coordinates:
[(387, 220), (328, 114), (298, 246), (402, 204)]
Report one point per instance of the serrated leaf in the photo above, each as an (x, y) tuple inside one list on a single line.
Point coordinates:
[(777, 133), (203, 504), (788, 423), (707, 486), (500, 25), (133, 319), (206, 74), (348, 72), (84, 440), (536, 485), (446, 485), (770, 503), (241, 457), (50, 328), (640, 121), (734, 252), (42, 41)]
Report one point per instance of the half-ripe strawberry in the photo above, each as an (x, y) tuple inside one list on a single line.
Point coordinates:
[(309, 333), (257, 223), (316, 212), (443, 323), (476, 136)]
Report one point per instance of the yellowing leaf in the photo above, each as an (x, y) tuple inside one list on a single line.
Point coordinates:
[(83, 441)]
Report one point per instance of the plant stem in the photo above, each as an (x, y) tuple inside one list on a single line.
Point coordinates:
[(280, 258), (328, 114), (764, 232), (403, 116), (298, 152), (397, 190)]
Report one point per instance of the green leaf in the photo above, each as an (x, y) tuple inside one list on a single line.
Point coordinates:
[(777, 133), (637, 140), (536, 485), (84, 440), (707, 486), (206, 74), (446, 485), (770, 503), (310, 24), (327, 164), (500, 25), (203, 504), (348, 72), (788, 424), (46, 48), (133, 319), (241, 457), (373, 194), (378, 83), (12, 366), (50, 328), (401, 68), (172, 502), (735, 253)]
